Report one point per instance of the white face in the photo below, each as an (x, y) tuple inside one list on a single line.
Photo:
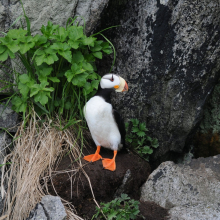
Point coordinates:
[(110, 81)]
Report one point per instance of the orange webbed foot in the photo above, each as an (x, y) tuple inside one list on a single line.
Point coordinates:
[(93, 157), (110, 164)]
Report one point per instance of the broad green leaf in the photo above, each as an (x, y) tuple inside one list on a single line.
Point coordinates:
[(40, 59), (142, 127), (89, 41), (49, 30), (105, 45), (54, 79), (89, 57), (13, 46), (108, 51), (49, 50), (96, 48), (135, 122), (24, 78), (87, 88), (3, 48), (17, 33), (135, 129), (98, 55), (24, 47), (45, 70), (77, 57), (73, 44), (23, 89), (87, 66), (95, 84), (39, 39), (69, 75), (41, 97), (154, 143), (19, 104), (4, 55), (34, 91), (51, 89), (80, 79), (147, 150), (141, 133), (67, 55), (60, 35), (92, 76), (75, 32), (50, 59)]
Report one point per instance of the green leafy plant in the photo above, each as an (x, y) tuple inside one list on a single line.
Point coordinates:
[(58, 72), (122, 208), (139, 140)]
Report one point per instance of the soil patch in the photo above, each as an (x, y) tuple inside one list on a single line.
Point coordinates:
[(105, 184)]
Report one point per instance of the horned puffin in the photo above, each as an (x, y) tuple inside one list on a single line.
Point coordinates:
[(105, 124)]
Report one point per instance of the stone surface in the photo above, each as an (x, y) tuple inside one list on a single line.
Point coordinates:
[(168, 51), (50, 208), (190, 191), (8, 118), (40, 12), (38, 213)]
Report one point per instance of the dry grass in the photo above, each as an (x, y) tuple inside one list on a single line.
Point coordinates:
[(38, 148)]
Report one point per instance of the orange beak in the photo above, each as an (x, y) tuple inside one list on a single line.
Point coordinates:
[(125, 87)]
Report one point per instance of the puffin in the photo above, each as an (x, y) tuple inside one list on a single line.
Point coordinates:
[(106, 126)]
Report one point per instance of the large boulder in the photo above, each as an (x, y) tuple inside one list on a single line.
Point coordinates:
[(168, 51), (190, 191), (41, 11)]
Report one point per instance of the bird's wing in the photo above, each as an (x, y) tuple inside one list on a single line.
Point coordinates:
[(121, 125)]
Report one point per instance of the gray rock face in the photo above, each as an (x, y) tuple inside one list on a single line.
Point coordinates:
[(40, 12), (8, 118), (190, 191), (168, 51), (50, 208)]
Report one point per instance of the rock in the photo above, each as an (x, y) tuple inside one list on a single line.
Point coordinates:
[(8, 118), (168, 51), (38, 213), (42, 11), (190, 191), (50, 208)]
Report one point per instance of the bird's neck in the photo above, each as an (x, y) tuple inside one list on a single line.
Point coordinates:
[(105, 93)]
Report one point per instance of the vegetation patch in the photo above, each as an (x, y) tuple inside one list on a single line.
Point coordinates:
[(139, 140)]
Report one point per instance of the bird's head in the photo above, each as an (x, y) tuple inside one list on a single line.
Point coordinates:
[(112, 81)]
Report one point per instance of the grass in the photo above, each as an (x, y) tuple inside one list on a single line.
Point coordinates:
[(38, 149)]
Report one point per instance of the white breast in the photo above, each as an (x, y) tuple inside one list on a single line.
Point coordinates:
[(101, 123)]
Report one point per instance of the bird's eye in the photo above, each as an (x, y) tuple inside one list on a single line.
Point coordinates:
[(112, 79)]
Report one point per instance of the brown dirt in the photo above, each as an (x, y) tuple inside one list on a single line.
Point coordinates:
[(76, 189)]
